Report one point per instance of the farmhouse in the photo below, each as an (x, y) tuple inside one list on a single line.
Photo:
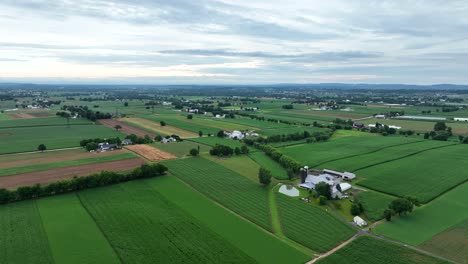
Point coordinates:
[(127, 141), (358, 125), (106, 146), (168, 140), (359, 221), (236, 134)]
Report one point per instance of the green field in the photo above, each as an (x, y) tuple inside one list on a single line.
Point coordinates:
[(424, 176), (264, 161), (337, 148), (241, 164), (450, 243), (181, 149), (374, 204), (67, 163), (174, 120), (144, 227), (248, 237), (28, 138), (310, 225), (425, 222), (255, 123), (22, 236), (291, 130), (42, 121), (72, 234), (225, 186), (420, 125), (211, 141), (368, 250)]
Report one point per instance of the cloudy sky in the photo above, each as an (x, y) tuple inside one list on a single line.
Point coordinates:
[(234, 41)]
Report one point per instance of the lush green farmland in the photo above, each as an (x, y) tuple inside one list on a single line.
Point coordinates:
[(181, 149), (42, 121), (28, 138), (310, 225), (450, 243), (429, 220), (158, 129), (341, 147), (424, 176), (219, 123), (22, 236), (393, 152), (241, 164), (144, 227), (374, 203), (291, 130), (255, 123), (264, 161), (179, 122), (62, 164), (227, 187), (211, 141), (420, 125), (368, 250), (72, 233), (248, 237)]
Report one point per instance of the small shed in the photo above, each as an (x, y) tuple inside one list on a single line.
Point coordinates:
[(359, 221)]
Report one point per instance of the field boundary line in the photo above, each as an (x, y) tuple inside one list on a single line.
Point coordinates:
[(370, 152), (98, 226)]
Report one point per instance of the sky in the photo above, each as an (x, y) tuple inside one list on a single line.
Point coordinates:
[(234, 41)]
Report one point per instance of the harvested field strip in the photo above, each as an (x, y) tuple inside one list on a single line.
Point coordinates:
[(150, 153), (310, 225), (369, 250), (260, 245), (126, 129), (62, 164), (49, 176), (427, 221), (225, 186), (22, 236), (166, 130), (73, 235), (144, 227)]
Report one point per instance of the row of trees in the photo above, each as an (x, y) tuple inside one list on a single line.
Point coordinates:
[(79, 183), (285, 161), (400, 206), (82, 111), (226, 151)]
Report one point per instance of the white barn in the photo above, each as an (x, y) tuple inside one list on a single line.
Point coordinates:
[(359, 221)]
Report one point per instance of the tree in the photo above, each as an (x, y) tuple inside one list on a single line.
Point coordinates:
[(291, 174), (460, 137), (41, 147), (426, 135), (158, 138), (264, 176), (388, 214), (244, 149), (355, 209), (237, 151), (126, 104), (118, 127), (220, 134), (401, 206), (200, 133), (163, 123), (323, 189), (91, 146), (322, 200), (190, 116), (194, 152), (440, 126)]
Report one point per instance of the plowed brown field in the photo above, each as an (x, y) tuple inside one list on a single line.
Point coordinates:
[(125, 128), (150, 153)]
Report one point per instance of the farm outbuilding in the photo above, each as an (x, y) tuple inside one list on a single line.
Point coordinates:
[(359, 221)]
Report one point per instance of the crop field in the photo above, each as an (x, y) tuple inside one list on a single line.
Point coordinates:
[(43, 121), (419, 125), (248, 237), (291, 130), (310, 225), (264, 161), (241, 164), (41, 165), (374, 204), (126, 129), (181, 149), (211, 141), (28, 138), (425, 222), (181, 123), (22, 236), (318, 153), (220, 123), (225, 186), (64, 218), (368, 250), (144, 227), (150, 153), (358, 162), (424, 176), (332, 114), (157, 128), (450, 243), (254, 123)]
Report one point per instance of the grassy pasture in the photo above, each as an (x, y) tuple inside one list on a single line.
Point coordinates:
[(157, 128), (180, 122), (144, 227), (310, 225), (225, 186), (291, 130), (424, 176), (341, 147), (72, 233), (248, 237), (68, 163), (393, 152), (241, 164), (450, 243), (42, 121), (22, 236), (429, 220), (181, 149), (374, 204), (264, 161), (28, 138), (211, 141), (368, 250)]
